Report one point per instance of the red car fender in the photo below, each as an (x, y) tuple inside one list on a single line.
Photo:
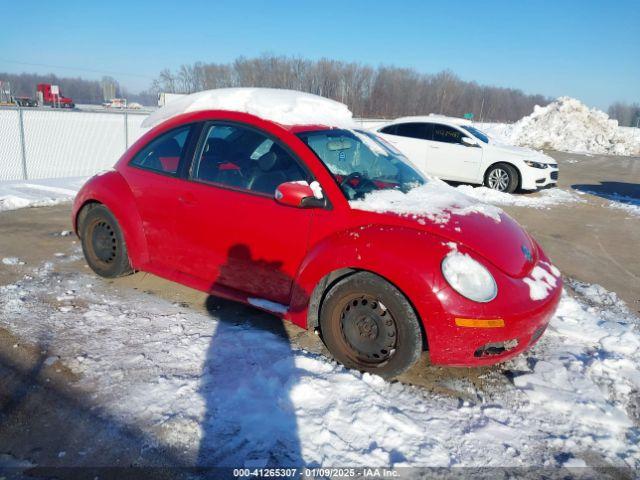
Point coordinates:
[(416, 274), (112, 190)]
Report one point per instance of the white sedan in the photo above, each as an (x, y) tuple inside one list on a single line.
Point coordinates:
[(453, 149)]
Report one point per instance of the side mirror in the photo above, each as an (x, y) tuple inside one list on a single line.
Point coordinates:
[(469, 142), (300, 195)]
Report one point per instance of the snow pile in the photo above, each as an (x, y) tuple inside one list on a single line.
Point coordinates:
[(38, 193), (434, 200), (570, 126), (228, 392), (542, 199), (287, 107)]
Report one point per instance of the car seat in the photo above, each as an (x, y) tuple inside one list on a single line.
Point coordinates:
[(274, 168)]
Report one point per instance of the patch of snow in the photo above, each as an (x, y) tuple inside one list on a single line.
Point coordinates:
[(541, 281), (287, 107), (435, 200), (317, 190), (268, 305), (12, 261), (570, 126), (225, 391), (17, 194), (542, 199)]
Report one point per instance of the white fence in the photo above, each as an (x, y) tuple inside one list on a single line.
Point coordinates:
[(47, 143)]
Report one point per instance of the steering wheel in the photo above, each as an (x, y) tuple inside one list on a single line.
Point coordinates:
[(359, 190)]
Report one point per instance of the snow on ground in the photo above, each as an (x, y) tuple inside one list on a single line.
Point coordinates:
[(228, 392), (542, 199), (630, 205), (38, 193), (570, 126), (287, 107)]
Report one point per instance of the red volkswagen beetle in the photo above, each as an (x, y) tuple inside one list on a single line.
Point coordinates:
[(271, 215)]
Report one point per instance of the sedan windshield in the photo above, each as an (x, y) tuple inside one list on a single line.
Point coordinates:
[(476, 133), (362, 162)]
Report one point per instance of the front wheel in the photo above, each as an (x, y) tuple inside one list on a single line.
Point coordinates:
[(502, 177), (368, 324), (103, 243)]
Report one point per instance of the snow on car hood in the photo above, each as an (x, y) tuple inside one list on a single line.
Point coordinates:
[(444, 211), (287, 107)]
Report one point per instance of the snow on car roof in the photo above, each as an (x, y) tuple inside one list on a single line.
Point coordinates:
[(286, 107), (432, 117)]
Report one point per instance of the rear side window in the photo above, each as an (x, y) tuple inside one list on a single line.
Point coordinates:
[(163, 154), (446, 134), (421, 131)]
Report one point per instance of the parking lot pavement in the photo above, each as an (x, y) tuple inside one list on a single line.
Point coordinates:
[(593, 241)]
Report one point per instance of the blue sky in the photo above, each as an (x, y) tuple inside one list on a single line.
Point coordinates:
[(589, 50)]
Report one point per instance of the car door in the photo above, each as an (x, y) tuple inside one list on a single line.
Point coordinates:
[(153, 177), (231, 231), (449, 158), (410, 138)]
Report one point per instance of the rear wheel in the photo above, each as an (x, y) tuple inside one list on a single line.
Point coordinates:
[(368, 324), (502, 177), (103, 243)]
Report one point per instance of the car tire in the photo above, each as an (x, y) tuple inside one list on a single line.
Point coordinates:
[(502, 177), (369, 325), (103, 244)]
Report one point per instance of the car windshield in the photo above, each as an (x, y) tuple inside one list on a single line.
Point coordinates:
[(362, 162), (476, 133)]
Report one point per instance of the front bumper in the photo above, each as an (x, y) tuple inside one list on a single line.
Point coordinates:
[(524, 321), (536, 178)]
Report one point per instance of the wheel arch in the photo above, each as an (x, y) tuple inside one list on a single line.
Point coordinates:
[(112, 191)]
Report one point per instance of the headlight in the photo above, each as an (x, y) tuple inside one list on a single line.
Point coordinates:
[(536, 164), (469, 278)]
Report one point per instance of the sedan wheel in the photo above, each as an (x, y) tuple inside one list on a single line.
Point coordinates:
[(502, 177)]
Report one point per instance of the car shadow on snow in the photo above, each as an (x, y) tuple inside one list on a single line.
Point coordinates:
[(622, 192), (247, 378)]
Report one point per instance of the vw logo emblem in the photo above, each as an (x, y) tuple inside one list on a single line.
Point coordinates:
[(527, 253)]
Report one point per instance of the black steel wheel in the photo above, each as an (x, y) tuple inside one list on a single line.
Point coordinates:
[(103, 243), (368, 324)]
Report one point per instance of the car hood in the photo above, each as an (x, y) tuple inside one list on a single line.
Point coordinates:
[(503, 243), (520, 152)]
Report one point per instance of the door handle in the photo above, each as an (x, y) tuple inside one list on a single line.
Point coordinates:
[(187, 199)]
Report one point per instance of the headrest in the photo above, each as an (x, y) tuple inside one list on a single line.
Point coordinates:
[(217, 147), (274, 159), (168, 148)]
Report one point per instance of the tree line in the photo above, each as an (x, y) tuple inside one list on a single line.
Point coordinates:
[(384, 92), (628, 115), (373, 92)]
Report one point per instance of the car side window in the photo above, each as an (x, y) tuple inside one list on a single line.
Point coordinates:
[(446, 134), (391, 129), (244, 158), (163, 154), (421, 131)]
